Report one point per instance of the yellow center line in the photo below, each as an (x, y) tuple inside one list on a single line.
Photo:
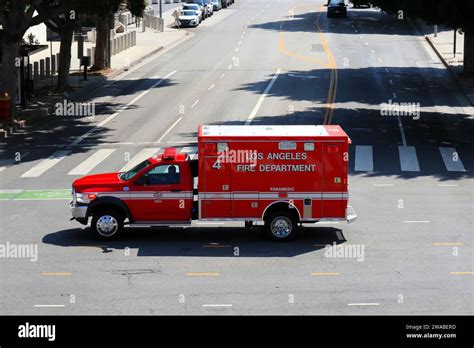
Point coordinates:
[(57, 273), (461, 273), (332, 62), (325, 273), (202, 274), (448, 244), (333, 84)]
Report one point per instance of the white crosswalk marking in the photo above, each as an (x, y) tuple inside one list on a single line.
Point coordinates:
[(91, 162), (364, 159), (451, 159), (46, 164), (140, 157), (408, 159)]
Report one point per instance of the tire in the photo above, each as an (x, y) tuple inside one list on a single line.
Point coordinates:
[(107, 224), (281, 226)]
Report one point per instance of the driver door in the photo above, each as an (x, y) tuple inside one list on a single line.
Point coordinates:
[(157, 196)]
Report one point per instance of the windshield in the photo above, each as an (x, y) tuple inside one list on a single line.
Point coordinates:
[(132, 172), (187, 13)]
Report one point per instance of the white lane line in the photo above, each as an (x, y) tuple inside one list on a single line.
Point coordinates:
[(211, 87), (366, 43), (111, 117), (139, 157), (394, 95), (245, 31), (408, 159), (240, 42), (402, 131), (222, 76), (416, 222), (46, 164), (448, 185), (217, 305), (372, 51), (49, 306), (451, 159), (169, 130), (364, 304), (91, 162), (380, 60), (364, 159), (262, 98), (241, 37), (356, 31), (391, 82), (195, 103), (229, 67), (237, 49), (386, 70)]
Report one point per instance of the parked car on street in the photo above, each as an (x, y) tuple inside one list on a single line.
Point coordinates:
[(226, 3), (337, 8), (202, 4), (196, 8), (217, 5), (209, 7), (188, 18)]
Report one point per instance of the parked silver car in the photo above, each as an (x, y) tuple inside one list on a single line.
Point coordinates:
[(188, 18)]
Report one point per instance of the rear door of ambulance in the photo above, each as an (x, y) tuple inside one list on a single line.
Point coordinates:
[(333, 180)]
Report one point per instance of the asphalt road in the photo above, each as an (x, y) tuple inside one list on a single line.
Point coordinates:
[(413, 197)]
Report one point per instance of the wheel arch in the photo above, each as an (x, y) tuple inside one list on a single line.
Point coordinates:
[(108, 202), (278, 206)]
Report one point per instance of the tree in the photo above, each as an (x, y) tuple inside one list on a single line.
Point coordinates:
[(64, 25), (104, 12), (455, 14), (16, 16)]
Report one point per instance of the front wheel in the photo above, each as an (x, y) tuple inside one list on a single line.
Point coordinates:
[(281, 226), (107, 224)]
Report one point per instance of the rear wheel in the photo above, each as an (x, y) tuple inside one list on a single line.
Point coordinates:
[(281, 226), (107, 224)]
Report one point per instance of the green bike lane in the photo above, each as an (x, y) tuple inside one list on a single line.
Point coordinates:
[(31, 195)]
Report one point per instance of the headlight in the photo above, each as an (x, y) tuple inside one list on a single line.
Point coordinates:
[(85, 198)]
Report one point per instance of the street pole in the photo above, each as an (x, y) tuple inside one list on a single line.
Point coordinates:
[(161, 8), (436, 30), (455, 43)]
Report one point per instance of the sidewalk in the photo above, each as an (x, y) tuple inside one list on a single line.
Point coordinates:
[(148, 43), (443, 45)]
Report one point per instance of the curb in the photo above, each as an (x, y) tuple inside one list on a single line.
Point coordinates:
[(453, 74), (86, 89), (449, 68)]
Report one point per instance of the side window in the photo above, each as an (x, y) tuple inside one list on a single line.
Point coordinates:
[(164, 174)]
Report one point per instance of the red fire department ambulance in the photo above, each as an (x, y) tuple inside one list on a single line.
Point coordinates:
[(281, 175)]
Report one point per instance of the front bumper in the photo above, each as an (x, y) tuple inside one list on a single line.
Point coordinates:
[(79, 213)]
